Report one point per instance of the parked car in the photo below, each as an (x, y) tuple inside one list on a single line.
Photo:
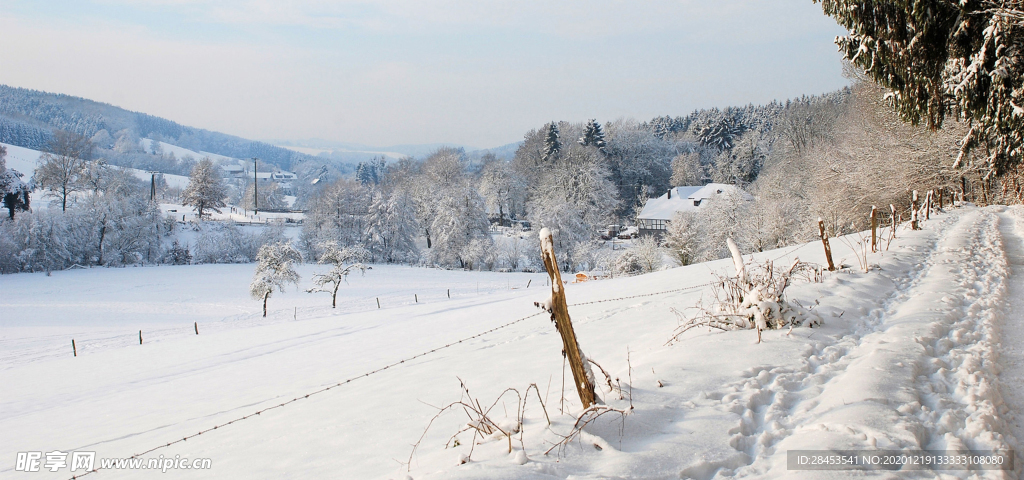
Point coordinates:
[(610, 232), (628, 233)]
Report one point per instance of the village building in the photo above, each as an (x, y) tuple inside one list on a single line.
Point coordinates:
[(657, 212)]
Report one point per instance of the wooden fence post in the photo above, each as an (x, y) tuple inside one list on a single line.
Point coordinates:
[(560, 315), (963, 189), (824, 241), (913, 211), (942, 191), (892, 212), (74, 350), (874, 229), (140, 337)]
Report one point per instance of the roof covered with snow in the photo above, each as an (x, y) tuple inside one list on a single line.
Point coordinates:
[(686, 199)]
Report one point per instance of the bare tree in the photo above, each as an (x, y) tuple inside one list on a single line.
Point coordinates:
[(62, 167)]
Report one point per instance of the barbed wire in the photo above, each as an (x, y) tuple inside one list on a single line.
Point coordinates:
[(386, 367), (692, 287), (322, 390)]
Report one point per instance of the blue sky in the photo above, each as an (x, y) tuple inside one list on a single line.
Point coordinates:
[(477, 73)]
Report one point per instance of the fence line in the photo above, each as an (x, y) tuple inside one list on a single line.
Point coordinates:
[(386, 367)]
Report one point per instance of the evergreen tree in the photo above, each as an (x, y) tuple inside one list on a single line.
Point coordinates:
[(371, 172), (13, 190), (945, 57), (205, 191), (593, 135), (552, 144)]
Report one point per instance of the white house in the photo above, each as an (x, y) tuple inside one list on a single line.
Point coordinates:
[(232, 170), (657, 212)]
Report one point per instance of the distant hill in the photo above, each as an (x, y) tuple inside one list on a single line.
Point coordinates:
[(29, 117), (504, 152), (346, 152), (354, 153)]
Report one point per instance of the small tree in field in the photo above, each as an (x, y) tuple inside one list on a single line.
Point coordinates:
[(344, 260), (274, 269), (205, 191)]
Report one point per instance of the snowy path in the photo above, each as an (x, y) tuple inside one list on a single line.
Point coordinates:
[(921, 371), (1012, 340)]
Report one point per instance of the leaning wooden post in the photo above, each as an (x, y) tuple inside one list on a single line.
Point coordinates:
[(824, 241), (73, 349), (874, 229), (560, 315)]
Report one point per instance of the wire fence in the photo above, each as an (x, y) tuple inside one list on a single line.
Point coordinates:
[(386, 367)]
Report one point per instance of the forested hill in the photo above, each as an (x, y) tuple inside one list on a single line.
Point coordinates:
[(28, 119)]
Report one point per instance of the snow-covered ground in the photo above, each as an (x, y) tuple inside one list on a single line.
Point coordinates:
[(180, 152), (926, 351), (230, 212), (21, 159), (25, 160)]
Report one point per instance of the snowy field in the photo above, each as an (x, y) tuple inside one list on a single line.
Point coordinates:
[(181, 152), (25, 160), (924, 351)]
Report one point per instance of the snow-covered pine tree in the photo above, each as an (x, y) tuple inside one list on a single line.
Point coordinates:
[(372, 171), (205, 191), (552, 143), (179, 255), (342, 261), (13, 190), (943, 58), (274, 269), (593, 135)]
